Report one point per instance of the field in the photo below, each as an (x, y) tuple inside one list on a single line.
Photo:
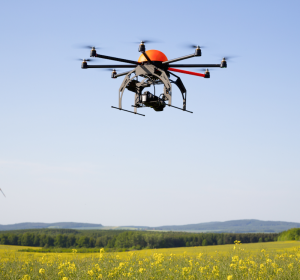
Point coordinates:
[(272, 260)]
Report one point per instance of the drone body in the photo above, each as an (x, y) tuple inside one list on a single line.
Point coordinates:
[(154, 68)]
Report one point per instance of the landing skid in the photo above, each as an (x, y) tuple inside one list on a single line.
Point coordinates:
[(179, 108), (127, 111)]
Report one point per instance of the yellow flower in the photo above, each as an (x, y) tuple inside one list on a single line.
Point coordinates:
[(200, 255), (141, 270), (235, 258), (42, 271), (26, 277), (215, 270), (90, 272), (229, 277), (279, 270), (65, 278)]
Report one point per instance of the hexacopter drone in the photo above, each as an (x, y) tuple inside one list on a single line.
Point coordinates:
[(155, 69)]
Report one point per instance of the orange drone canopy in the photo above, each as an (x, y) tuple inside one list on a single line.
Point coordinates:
[(154, 55)]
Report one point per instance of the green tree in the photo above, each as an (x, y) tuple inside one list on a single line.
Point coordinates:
[(204, 242), (49, 241), (27, 239), (83, 241), (92, 242), (71, 241), (4, 239), (36, 240), (60, 241), (13, 239)]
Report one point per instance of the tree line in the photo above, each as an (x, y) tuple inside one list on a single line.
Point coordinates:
[(291, 234), (130, 239)]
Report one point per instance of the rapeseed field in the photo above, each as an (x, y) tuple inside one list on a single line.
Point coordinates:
[(276, 260)]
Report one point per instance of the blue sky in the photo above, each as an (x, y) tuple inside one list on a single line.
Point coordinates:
[(65, 155)]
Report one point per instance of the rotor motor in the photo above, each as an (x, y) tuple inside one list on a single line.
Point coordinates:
[(198, 51), (84, 64), (142, 47), (223, 63), (93, 52)]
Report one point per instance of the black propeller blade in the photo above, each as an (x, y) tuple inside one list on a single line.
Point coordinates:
[(2, 192), (191, 46), (229, 57), (204, 69), (85, 59), (145, 42), (87, 47)]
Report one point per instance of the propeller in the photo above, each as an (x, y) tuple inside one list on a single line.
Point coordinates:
[(191, 46), (145, 42), (204, 69), (88, 47), (3, 193), (229, 57), (85, 59)]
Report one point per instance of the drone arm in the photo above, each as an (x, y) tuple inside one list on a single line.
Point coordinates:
[(111, 66), (122, 74), (117, 59), (187, 72), (179, 58), (147, 57), (197, 65)]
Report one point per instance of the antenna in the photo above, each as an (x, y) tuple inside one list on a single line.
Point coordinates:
[(3, 193)]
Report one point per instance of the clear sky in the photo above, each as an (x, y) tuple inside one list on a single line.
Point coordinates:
[(65, 155)]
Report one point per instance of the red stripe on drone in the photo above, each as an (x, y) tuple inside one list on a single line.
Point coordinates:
[(186, 72)]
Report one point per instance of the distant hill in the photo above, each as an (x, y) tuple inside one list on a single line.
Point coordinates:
[(50, 225), (237, 226)]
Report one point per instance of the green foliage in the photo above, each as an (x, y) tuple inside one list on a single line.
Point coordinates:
[(291, 234), (126, 240)]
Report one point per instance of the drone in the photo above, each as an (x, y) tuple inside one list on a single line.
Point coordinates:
[(154, 68)]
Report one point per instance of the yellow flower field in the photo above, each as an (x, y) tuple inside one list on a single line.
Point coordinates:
[(274, 260)]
